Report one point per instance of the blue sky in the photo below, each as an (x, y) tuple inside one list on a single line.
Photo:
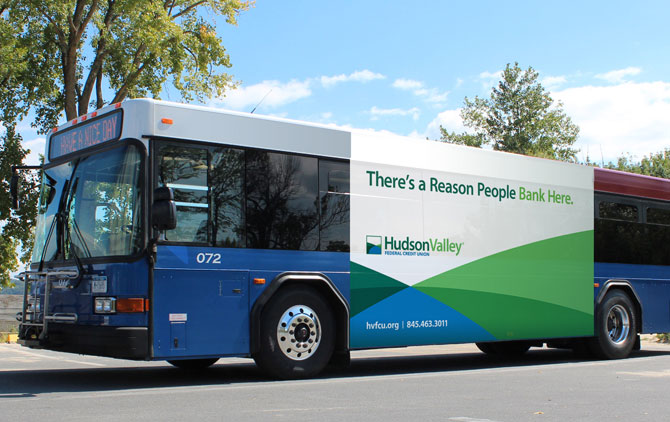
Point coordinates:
[(405, 67)]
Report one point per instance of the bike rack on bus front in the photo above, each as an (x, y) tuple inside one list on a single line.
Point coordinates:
[(29, 317)]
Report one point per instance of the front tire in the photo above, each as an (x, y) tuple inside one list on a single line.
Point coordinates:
[(616, 324), (297, 334)]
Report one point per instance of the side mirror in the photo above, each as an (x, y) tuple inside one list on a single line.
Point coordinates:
[(164, 209), (14, 190)]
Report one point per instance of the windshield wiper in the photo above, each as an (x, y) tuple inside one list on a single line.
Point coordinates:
[(66, 219), (46, 242), (52, 184)]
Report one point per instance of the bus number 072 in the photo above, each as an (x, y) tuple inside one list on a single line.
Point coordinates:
[(208, 258)]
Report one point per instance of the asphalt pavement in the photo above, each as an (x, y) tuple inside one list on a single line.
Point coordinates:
[(432, 383)]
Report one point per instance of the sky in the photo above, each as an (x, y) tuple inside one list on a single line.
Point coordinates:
[(405, 67)]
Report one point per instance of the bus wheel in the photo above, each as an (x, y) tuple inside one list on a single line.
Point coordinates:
[(615, 327), (297, 334), (504, 348), (193, 364)]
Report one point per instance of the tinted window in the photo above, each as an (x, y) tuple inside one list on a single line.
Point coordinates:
[(658, 216), (185, 171), (619, 238), (334, 203), (617, 211), (227, 196), (620, 242), (281, 203)]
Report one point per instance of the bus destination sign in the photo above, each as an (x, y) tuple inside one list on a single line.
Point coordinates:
[(103, 129)]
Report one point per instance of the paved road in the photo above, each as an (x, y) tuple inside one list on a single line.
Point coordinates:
[(445, 383)]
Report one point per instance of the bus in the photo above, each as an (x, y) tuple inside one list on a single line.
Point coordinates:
[(184, 233)]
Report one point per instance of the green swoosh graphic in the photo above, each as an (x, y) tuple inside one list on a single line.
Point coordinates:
[(543, 289), (369, 287)]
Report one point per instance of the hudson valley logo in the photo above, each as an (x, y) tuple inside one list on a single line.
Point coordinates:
[(388, 245), (374, 245)]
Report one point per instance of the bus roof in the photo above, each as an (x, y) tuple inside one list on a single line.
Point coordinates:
[(614, 181), (198, 123)]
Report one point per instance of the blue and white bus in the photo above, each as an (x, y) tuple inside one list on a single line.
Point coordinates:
[(184, 233)]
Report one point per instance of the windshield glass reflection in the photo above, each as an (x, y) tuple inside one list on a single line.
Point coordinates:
[(96, 205)]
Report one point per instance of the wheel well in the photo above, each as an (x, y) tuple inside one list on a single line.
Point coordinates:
[(625, 287), (319, 282)]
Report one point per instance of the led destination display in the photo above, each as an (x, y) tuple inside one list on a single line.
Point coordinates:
[(93, 132)]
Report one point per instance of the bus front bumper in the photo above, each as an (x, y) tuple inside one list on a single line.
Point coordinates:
[(114, 342)]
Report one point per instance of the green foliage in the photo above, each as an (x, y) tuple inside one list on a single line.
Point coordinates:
[(520, 117), (657, 164), (137, 46), (15, 226), (28, 69)]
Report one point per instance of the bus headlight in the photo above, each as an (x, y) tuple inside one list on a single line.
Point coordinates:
[(105, 305)]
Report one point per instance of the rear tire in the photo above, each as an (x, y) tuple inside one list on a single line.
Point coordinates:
[(193, 364), (297, 336), (616, 327)]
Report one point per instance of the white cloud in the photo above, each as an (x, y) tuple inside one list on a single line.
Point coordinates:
[(278, 94), (490, 79), (553, 82), (358, 76), (626, 118), (36, 147), (418, 88), (449, 119), (377, 112), (407, 84), (619, 76), (491, 75)]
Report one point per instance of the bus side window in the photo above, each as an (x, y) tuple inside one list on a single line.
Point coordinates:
[(334, 204), (185, 171), (617, 211), (281, 201), (227, 197), (658, 216), (658, 235), (619, 238)]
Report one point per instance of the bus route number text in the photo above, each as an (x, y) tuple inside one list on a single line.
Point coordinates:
[(208, 258)]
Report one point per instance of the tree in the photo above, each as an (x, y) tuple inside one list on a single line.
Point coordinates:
[(135, 46), (63, 56), (657, 164), (15, 226), (520, 117)]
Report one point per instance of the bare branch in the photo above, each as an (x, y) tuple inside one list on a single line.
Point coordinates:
[(123, 91), (87, 19), (101, 54), (188, 9), (61, 35), (98, 90)]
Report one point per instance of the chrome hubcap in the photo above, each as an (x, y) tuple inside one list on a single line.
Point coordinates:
[(618, 324), (299, 332)]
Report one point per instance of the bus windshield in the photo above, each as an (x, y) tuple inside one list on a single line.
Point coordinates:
[(91, 207)]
